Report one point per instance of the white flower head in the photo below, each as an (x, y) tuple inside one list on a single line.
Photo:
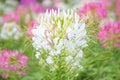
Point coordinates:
[(37, 55), (10, 30), (60, 34), (69, 59), (49, 60), (57, 26), (79, 54)]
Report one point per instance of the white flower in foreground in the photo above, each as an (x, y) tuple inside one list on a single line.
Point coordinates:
[(69, 59), (60, 38), (49, 60), (37, 55), (10, 30)]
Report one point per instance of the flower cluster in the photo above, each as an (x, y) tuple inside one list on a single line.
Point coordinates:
[(10, 17), (32, 24), (59, 31), (10, 30), (117, 8), (94, 9), (27, 2), (106, 3), (59, 38), (110, 34), (12, 61)]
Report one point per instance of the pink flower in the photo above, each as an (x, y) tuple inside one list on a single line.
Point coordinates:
[(117, 8), (106, 3), (37, 8), (102, 13), (23, 60), (12, 61), (31, 26), (28, 2), (21, 10), (102, 34), (58, 1), (4, 76), (10, 17), (21, 73), (116, 45), (104, 46), (110, 34), (95, 8), (117, 28)]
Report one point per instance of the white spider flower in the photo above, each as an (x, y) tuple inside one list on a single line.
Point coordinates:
[(60, 38), (69, 59), (49, 60), (10, 30), (37, 54)]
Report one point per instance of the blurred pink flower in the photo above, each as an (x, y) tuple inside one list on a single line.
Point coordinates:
[(94, 8), (116, 45), (10, 17), (37, 8), (21, 10), (117, 8), (21, 73), (106, 3), (30, 27), (23, 60), (12, 61), (110, 34), (102, 12), (57, 1), (4, 76), (104, 46), (118, 28), (28, 2), (103, 35)]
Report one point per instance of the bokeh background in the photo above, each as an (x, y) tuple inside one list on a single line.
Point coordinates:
[(100, 60)]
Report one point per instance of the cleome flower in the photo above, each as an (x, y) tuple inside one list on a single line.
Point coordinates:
[(109, 35), (95, 9), (10, 30), (12, 61), (60, 38), (117, 9), (10, 17), (30, 27)]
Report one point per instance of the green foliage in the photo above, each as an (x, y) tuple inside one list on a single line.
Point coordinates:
[(23, 45), (100, 63)]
